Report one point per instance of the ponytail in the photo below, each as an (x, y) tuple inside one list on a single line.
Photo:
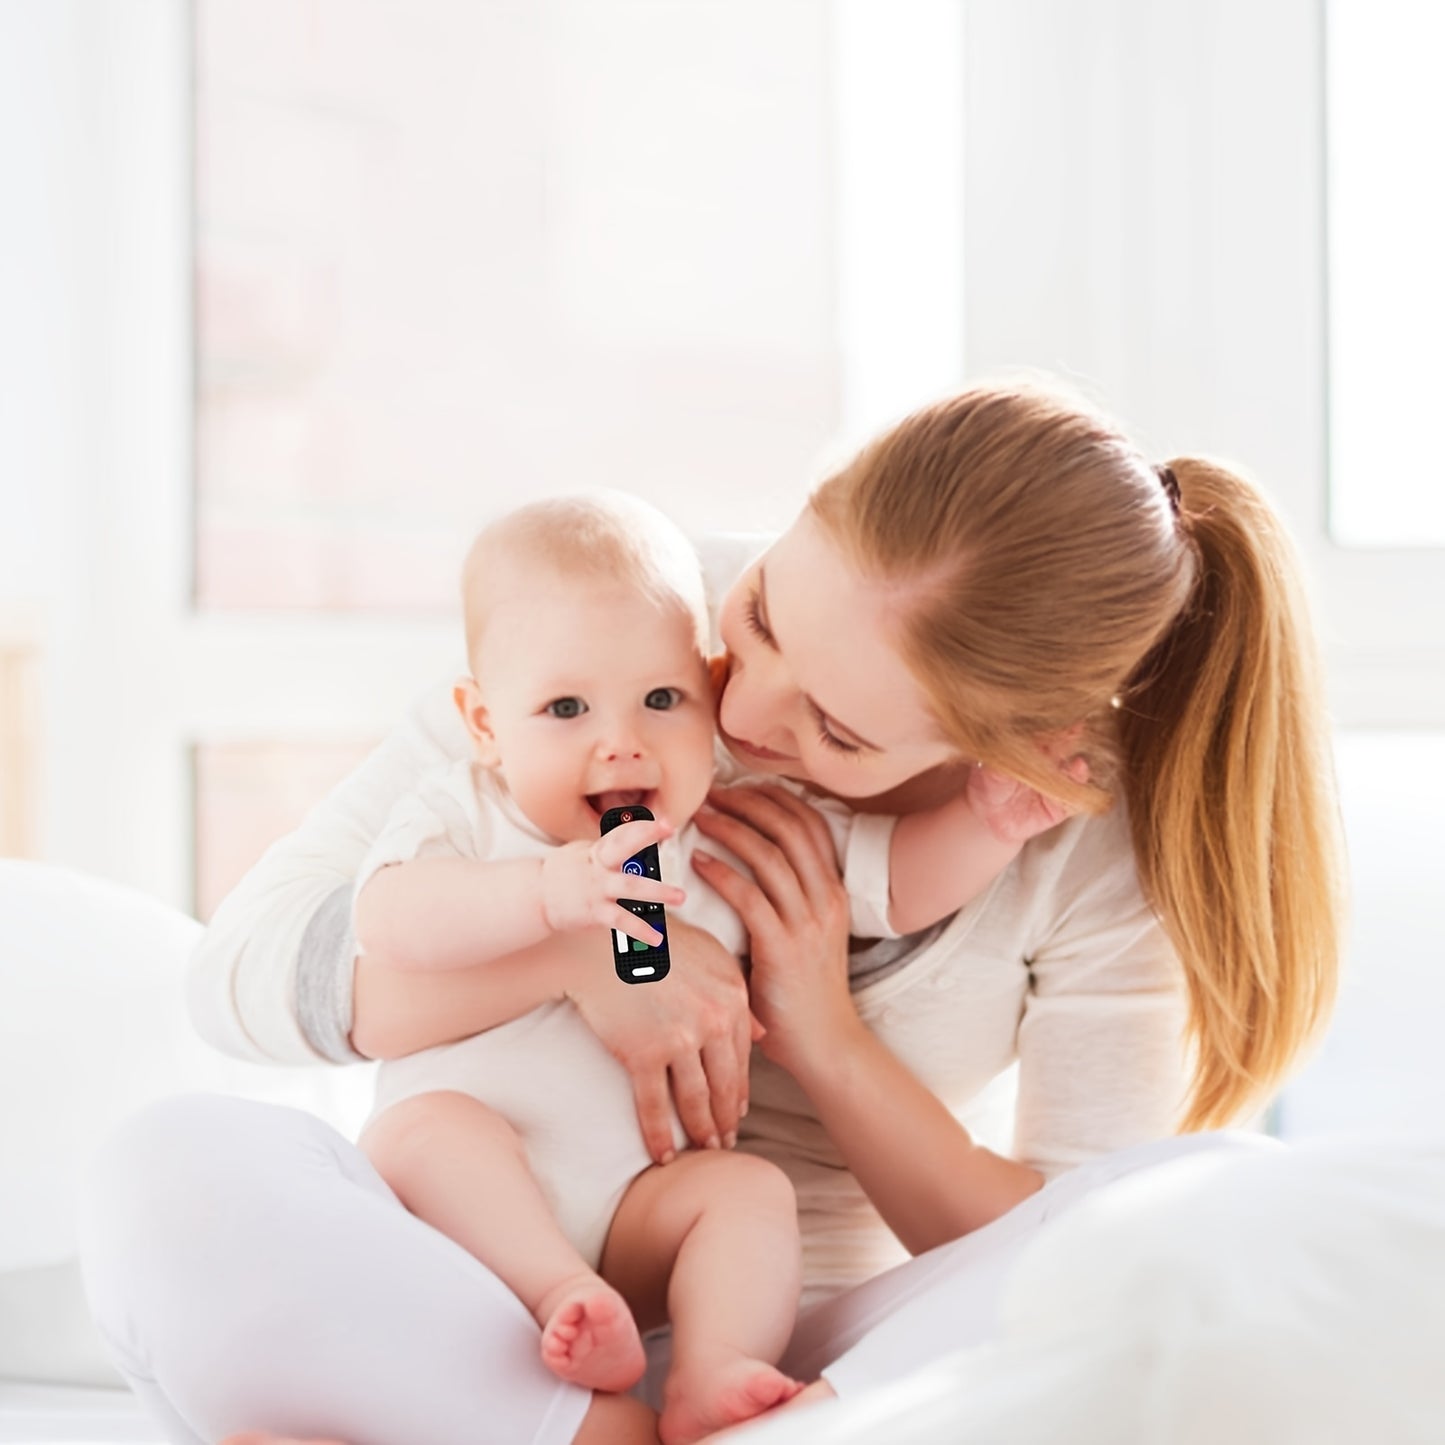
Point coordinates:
[(1227, 768), (1044, 557)]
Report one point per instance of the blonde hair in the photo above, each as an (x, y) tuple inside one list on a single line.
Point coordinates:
[(601, 536), (1047, 582)]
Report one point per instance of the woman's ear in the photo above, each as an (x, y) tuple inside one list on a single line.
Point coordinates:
[(468, 698)]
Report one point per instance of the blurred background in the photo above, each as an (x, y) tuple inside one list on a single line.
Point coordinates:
[(296, 293)]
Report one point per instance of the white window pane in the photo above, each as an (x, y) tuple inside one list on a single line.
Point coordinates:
[(1386, 150), (247, 795), (451, 256)]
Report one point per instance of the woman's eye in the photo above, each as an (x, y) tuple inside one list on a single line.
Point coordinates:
[(753, 618), (667, 696), (828, 740), (566, 707)]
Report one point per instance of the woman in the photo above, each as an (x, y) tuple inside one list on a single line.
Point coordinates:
[(1002, 577)]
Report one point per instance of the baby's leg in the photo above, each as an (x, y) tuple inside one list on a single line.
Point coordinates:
[(711, 1242), (461, 1167)]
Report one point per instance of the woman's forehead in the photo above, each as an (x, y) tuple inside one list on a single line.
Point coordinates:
[(837, 634)]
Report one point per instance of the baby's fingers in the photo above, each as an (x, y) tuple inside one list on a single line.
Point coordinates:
[(634, 926), (642, 889), (626, 840)]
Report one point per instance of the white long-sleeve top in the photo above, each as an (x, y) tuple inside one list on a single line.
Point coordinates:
[(1047, 1014)]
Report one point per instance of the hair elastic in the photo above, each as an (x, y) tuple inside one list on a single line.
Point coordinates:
[(1170, 484)]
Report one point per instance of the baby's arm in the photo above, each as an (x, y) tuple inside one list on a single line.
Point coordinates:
[(945, 857), (450, 912), (939, 860), (440, 911)]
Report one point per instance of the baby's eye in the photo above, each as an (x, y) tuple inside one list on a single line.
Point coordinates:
[(667, 694), (566, 707)]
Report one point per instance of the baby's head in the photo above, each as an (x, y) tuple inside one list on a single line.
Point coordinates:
[(587, 633)]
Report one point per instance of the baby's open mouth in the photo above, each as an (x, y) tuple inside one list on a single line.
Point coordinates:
[(621, 798)]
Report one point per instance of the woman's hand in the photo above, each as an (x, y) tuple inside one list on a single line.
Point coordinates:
[(796, 914), (693, 1027)]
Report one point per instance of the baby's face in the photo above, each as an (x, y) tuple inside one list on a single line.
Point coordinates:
[(588, 699)]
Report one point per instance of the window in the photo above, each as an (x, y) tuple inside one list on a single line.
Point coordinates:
[(1386, 225)]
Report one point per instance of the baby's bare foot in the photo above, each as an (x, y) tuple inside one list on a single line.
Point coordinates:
[(590, 1336), (697, 1402)]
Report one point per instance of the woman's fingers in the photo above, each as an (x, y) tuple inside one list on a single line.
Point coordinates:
[(806, 817), (742, 895), (781, 826), (654, 1114), (720, 1064), (693, 1094), (775, 884)]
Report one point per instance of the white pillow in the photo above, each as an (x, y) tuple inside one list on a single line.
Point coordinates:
[(1284, 1296), (92, 1026)]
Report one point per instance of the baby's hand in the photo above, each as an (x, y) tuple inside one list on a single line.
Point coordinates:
[(1014, 812), (581, 882)]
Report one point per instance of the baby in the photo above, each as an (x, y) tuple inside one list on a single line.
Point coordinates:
[(590, 688)]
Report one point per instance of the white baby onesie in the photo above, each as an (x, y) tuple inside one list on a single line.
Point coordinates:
[(547, 1073)]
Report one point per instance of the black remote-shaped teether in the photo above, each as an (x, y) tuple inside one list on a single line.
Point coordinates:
[(639, 962)]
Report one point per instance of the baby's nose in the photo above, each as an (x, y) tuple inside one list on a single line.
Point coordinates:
[(621, 739), (622, 748)]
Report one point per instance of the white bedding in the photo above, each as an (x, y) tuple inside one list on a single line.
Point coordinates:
[(33, 1413), (1292, 1296)]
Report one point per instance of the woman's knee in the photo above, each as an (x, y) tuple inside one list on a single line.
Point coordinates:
[(157, 1158), (144, 1201)]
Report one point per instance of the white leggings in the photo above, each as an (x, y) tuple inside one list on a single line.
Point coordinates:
[(249, 1269)]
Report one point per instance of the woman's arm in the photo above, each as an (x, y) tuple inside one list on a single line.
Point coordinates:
[(927, 1178), (917, 1164), (271, 977)]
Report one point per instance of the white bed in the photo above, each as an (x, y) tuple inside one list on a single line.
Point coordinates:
[(1293, 1295), (34, 1413), (92, 1026)]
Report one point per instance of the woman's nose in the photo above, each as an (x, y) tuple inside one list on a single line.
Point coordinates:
[(754, 706)]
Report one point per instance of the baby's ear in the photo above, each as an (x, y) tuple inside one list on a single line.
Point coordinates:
[(717, 670), (468, 698)]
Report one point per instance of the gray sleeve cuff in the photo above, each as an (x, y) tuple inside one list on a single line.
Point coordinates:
[(324, 979)]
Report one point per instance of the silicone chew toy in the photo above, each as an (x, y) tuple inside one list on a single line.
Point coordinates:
[(639, 962)]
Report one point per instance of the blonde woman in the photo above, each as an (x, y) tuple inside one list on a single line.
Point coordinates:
[(1000, 578)]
